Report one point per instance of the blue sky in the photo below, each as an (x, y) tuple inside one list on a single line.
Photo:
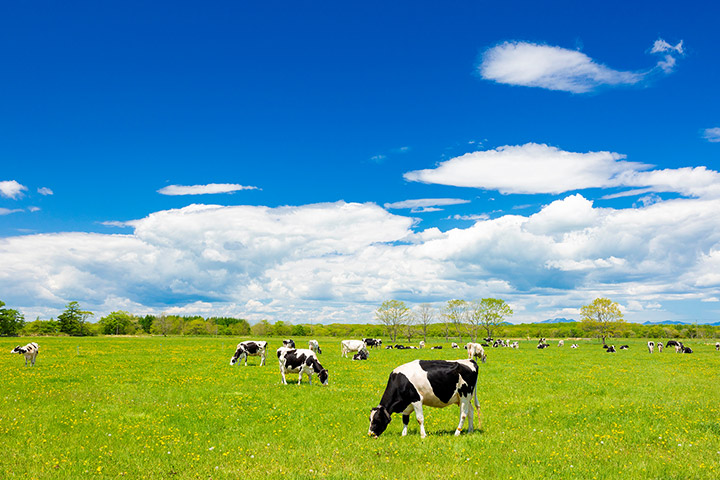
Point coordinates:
[(544, 154)]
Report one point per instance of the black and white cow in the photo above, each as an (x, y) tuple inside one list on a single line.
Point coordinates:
[(348, 346), (717, 346), (574, 345), (372, 342), (624, 347), (250, 348), (435, 383), (454, 345), (289, 343), (314, 346), (660, 347), (300, 361), (686, 349), (679, 347), (422, 344), (361, 355), (651, 346), (542, 346), (611, 349), (672, 343), (476, 350), (437, 347), (30, 351)]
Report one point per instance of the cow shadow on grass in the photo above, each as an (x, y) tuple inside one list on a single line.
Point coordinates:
[(442, 433)]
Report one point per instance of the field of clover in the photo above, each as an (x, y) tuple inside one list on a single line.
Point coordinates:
[(173, 407)]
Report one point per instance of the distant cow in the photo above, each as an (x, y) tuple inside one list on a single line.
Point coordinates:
[(389, 347), (488, 339), (611, 349), (422, 344), (651, 346), (436, 383), (672, 343), (250, 349), (660, 347), (372, 342), (686, 349), (679, 347), (717, 346), (454, 345), (515, 345), (314, 346), (348, 346), (361, 355), (574, 345), (476, 350), (561, 343), (288, 343), (300, 360), (542, 346), (30, 351), (624, 347), (437, 347)]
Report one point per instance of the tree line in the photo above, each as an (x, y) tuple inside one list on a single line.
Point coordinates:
[(457, 320)]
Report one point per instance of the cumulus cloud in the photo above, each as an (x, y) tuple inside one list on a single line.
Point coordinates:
[(339, 261), (712, 134), (210, 188), (11, 189), (44, 191), (556, 68), (539, 168), (425, 204)]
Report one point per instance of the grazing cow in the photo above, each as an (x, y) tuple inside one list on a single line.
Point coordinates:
[(372, 342), (679, 347), (686, 349), (422, 344), (574, 345), (30, 351), (300, 360), (672, 343), (717, 346), (660, 347), (542, 345), (250, 349), (624, 347), (314, 346), (400, 347), (611, 349), (436, 383), (485, 344), (389, 347), (361, 355), (348, 346), (288, 343), (561, 343), (488, 339), (515, 345), (476, 350), (542, 340), (651, 346), (437, 347), (454, 345)]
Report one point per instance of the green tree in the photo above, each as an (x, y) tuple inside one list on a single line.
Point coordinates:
[(261, 328), (603, 317), (117, 323), (72, 320), (196, 327), (146, 323), (488, 313), (393, 314), (11, 321)]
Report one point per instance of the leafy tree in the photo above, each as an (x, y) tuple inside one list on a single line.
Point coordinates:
[(393, 314), (161, 325), (602, 316), (41, 327), (146, 323), (281, 329), (424, 316), (299, 331), (196, 327), (11, 321), (261, 328), (117, 323), (457, 312), (72, 320), (488, 313)]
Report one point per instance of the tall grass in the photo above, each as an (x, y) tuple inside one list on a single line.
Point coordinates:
[(174, 408)]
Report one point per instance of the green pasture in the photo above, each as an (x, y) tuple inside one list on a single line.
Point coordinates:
[(173, 408)]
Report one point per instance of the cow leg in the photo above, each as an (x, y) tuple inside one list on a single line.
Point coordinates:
[(417, 406), (464, 404), (262, 360), (406, 420), (282, 372), (300, 376)]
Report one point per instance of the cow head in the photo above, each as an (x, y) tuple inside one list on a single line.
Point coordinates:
[(240, 353), (323, 376), (379, 420)]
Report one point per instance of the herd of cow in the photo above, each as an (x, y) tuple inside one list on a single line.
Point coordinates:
[(435, 383)]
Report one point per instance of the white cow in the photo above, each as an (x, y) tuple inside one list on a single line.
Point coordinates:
[(314, 346), (561, 343), (30, 351), (349, 346), (475, 350), (422, 344), (651, 346), (454, 345)]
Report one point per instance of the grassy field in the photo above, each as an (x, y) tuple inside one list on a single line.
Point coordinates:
[(174, 408)]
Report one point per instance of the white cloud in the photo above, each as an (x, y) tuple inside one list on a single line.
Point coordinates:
[(426, 204), (712, 134), (339, 261), (11, 189), (116, 223), (661, 46), (482, 216), (553, 68), (44, 191), (8, 211), (210, 188), (539, 168), (33, 209)]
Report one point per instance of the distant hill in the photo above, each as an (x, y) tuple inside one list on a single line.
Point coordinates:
[(671, 322), (559, 320)]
